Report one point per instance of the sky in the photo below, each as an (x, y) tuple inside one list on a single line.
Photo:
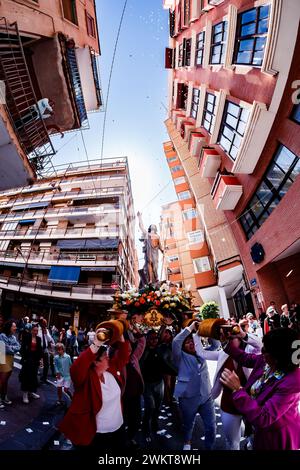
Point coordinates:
[(136, 108)]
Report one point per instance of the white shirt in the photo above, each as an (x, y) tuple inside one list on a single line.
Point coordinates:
[(43, 105), (91, 335), (109, 418)]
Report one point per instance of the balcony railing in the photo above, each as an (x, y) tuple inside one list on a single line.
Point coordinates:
[(60, 233), (21, 102), (46, 257), (74, 75), (102, 292), (96, 78)]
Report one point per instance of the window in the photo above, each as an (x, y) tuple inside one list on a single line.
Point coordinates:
[(252, 33), (173, 258), (184, 195), (218, 43), (189, 214), (69, 10), (209, 111), (200, 38), (187, 52), (180, 55), (232, 128), (172, 23), (176, 168), (179, 180), (296, 113), (182, 93), (195, 237), (184, 54), (195, 102), (202, 265), (172, 159), (279, 177), (90, 25), (186, 11)]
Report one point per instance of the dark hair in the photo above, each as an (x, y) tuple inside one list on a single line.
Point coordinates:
[(278, 343), (7, 327), (100, 352)]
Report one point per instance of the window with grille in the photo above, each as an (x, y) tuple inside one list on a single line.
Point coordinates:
[(172, 159), (189, 214), (184, 195), (69, 10), (296, 113), (195, 102), (276, 182), (173, 258), (218, 43), (209, 111), (176, 168), (202, 265), (232, 130), (187, 11), (90, 25), (252, 31), (179, 180), (182, 93), (196, 237), (200, 38), (187, 52), (180, 55), (172, 23)]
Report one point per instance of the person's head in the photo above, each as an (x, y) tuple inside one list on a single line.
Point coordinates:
[(9, 328), (285, 308), (63, 330), (101, 362), (44, 323), (60, 349), (152, 339), (250, 317), (91, 329), (271, 312), (71, 328), (152, 228), (166, 337), (26, 319), (278, 349), (34, 329), (188, 345)]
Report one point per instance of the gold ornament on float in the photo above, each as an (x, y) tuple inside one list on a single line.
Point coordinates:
[(153, 317)]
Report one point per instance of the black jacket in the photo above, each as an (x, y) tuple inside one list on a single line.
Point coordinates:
[(26, 352)]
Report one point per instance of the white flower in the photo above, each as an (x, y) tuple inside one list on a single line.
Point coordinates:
[(158, 293)]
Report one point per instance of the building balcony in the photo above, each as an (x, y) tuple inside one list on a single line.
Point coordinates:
[(186, 128), (205, 279), (21, 100), (209, 162), (55, 233), (88, 292), (226, 192), (18, 258), (196, 142)]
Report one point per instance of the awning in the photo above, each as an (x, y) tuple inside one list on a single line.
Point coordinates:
[(66, 274), (88, 244), (26, 222), (33, 205)]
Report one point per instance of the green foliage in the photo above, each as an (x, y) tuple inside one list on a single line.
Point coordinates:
[(209, 310)]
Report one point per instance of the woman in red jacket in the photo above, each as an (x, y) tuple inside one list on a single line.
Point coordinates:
[(95, 416)]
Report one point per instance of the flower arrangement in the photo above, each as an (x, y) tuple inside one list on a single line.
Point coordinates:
[(165, 298), (209, 310)]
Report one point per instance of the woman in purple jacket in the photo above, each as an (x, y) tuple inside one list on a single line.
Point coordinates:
[(270, 400)]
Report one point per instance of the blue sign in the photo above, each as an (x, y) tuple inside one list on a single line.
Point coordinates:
[(253, 282)]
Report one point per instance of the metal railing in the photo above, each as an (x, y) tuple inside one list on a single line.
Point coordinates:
[(45, 256), (79, 232), (21, 102), (48, 288)]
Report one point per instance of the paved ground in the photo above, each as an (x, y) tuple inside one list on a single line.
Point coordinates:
[(34, 426)]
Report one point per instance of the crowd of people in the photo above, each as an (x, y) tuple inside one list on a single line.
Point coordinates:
[(118, 388)]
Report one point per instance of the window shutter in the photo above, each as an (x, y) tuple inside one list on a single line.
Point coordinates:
[(169, 58)]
